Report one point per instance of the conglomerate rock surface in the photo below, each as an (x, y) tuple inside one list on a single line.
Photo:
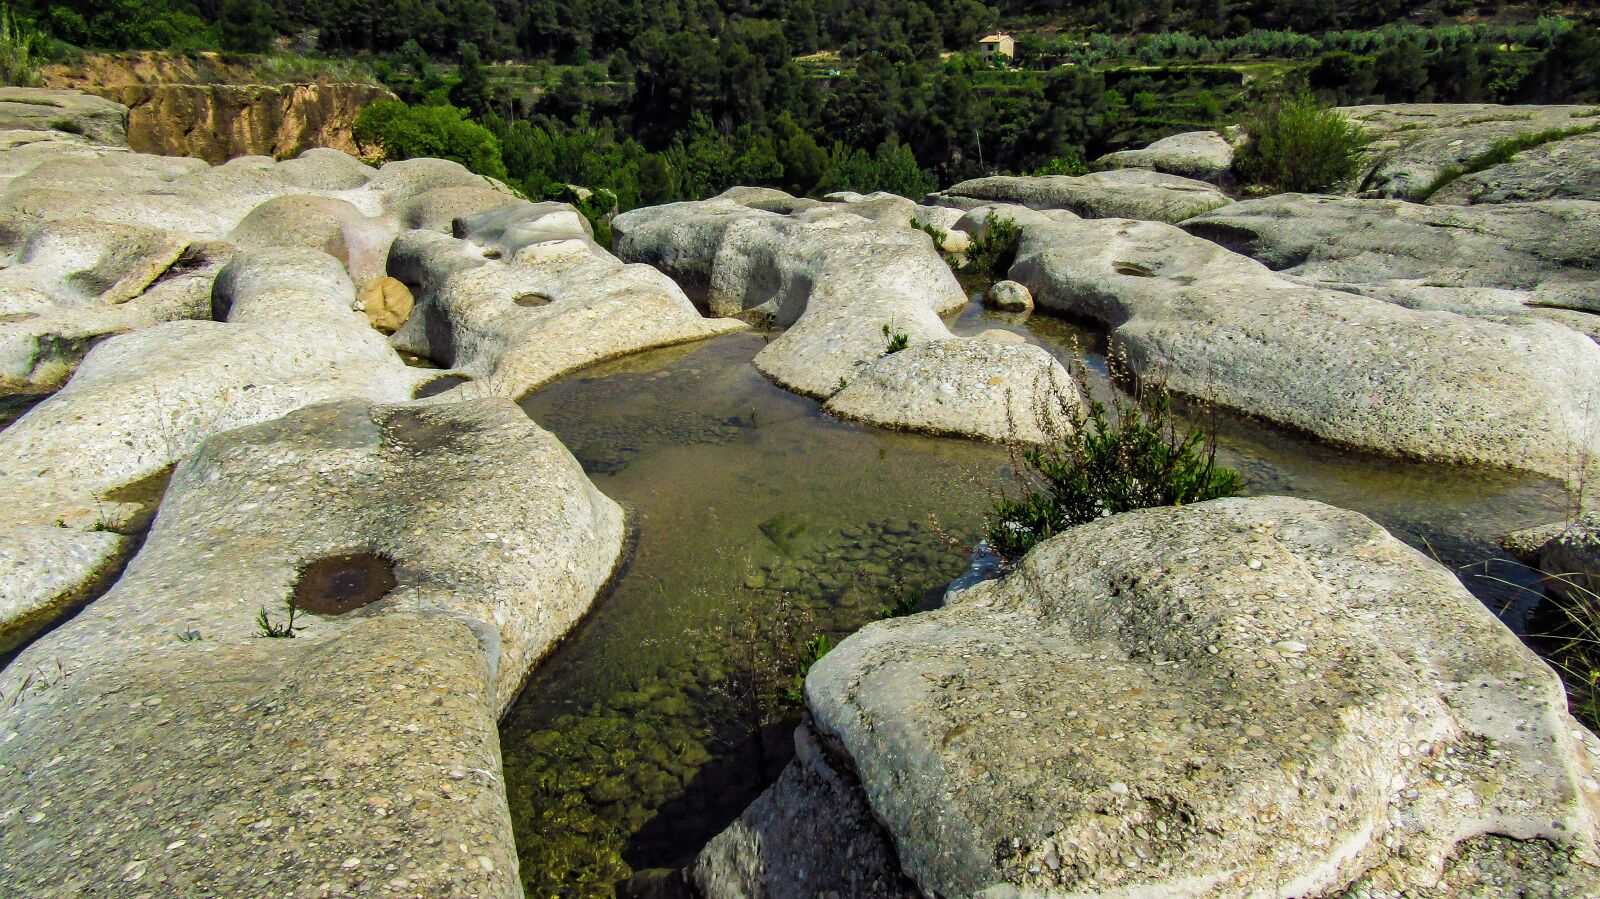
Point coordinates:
[(1252, 697)]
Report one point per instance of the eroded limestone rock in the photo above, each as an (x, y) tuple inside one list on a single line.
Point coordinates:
[(1479, 260), (860, 305), (156, 740), (95, 119), (1120, 193), (1417, 142), (1560, 170), (525, 295), (1351, 369), (1263, 697), (144, 400), (1201, 155)]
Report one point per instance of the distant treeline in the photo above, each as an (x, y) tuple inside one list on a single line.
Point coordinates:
[(680, 99)]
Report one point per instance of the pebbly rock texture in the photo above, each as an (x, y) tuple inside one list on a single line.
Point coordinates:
[(96, 120), (523, 295), (1480, 259), (1567, 553), (1560, 170), (81, 459), (1351, 369), (155, 744), (1416, 143), (1122, 193), (846, 289), (1201, 155), (1249, 697), (203, 106)]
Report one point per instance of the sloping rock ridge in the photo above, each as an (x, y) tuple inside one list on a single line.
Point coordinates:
[(1416, 143), (1254, 697), (1133, 193)]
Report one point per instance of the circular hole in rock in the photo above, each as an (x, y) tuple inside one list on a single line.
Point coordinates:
[(531, 299), (339, 584)]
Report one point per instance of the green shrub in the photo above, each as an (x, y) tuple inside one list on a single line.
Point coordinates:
[(1111, 461), (19, 51), (1300, 145), (993, 253), (399, 131), (1068, 163)]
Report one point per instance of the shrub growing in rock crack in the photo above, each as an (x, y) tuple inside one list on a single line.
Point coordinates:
[(1301, 146), (993, 253), (1131, 455)]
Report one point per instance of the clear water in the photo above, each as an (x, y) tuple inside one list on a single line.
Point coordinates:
[(758, 520)]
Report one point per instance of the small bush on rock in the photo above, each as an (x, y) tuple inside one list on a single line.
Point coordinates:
[(1302, 146), (1129, 456), (997, 249)]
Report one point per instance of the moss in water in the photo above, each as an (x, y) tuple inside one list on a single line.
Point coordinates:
[(649, 774)]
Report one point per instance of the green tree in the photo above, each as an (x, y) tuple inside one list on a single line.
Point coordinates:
[(246, 26), (399, 131), (471, 92)]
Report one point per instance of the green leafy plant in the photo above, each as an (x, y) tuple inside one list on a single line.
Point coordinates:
[(397, 131), (1301, 145), (894, 341), (993, 253), (19, 50), (266, 627), (811, 652), (1131, 455), (1068, 163), (194, 636)]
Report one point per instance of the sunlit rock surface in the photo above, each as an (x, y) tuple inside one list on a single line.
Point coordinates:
[(523, 295), (1353, 370), (157, 743), (1263, 697), (859, 302)]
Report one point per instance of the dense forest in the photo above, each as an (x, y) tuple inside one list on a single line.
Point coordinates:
[(657, 101)]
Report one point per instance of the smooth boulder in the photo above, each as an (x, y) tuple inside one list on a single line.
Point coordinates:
[(1247, 697), (1201, 155)]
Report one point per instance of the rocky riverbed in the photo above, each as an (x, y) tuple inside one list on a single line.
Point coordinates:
[(283, 613)]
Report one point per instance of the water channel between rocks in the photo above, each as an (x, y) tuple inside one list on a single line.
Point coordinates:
[(754, 513)]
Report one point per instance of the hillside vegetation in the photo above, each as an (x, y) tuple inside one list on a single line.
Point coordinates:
[(658, 102)]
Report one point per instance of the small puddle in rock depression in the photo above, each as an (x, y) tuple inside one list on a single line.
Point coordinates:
[(760, 522)]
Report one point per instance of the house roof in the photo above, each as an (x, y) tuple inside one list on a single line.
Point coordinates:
[(993, 38)]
